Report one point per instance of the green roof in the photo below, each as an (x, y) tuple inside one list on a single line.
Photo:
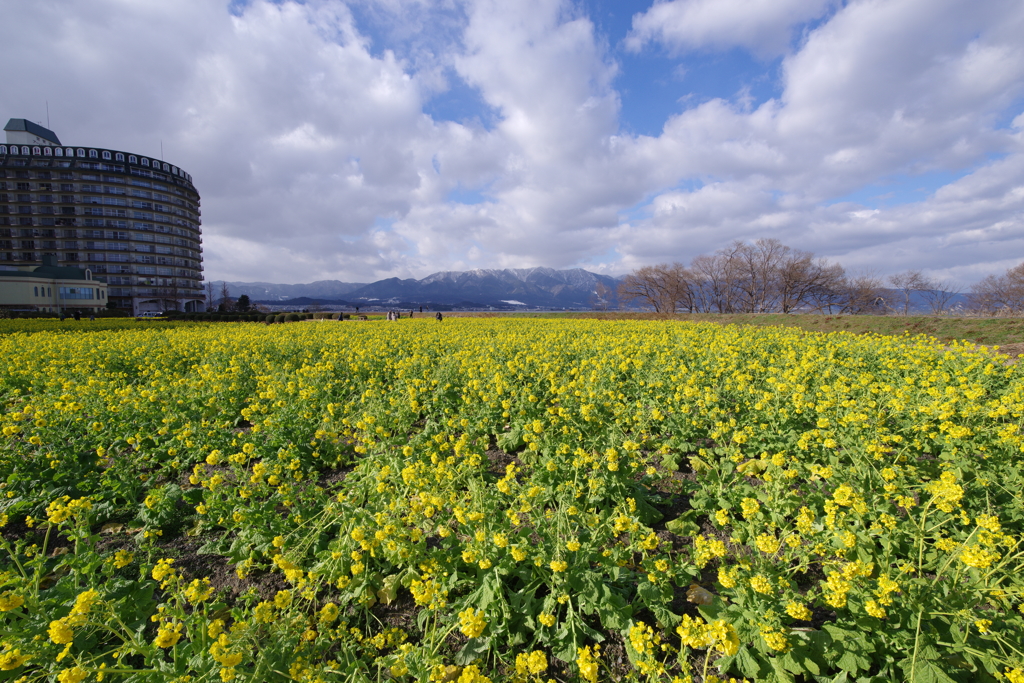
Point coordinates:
[(48, 273), (34, 128)]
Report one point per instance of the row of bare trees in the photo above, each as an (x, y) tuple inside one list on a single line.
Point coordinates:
[(1000, 294), (767, 276)]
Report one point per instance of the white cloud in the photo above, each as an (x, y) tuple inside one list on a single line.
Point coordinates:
[(307, 136), (763, 26), (882, 90)]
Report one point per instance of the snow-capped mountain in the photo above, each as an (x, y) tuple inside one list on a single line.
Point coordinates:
[(531, 287)]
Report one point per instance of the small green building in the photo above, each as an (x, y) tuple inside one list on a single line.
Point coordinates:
[(50, 288)]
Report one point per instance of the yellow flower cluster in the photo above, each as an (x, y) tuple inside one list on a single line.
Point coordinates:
[(358, 462), (164, 572), (587, 659), (472, 622), (718, 634), (533, 663), (64, 508)]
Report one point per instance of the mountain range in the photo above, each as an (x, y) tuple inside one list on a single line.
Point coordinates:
[(513, 287)]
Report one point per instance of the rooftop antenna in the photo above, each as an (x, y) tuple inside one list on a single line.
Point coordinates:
[(47, 113), (161, 150)]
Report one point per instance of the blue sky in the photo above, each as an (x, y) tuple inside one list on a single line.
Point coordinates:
[(363, 139)]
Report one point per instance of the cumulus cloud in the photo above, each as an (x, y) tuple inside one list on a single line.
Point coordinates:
[(882, 89), (764, 27), (306, 129)]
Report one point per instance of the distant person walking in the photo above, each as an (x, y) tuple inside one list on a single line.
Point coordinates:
[(438, 317), (78, 315)]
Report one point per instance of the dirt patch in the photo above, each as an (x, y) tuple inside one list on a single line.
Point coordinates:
[(220, 570), (400, 613), (498, 461), (333, 477), (1014, 350)]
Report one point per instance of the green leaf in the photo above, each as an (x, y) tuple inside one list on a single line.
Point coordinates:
[(666, 617), (647, 513), (476, 648), (652, 594), (747, 664), (780, 671), (799, 660), (924, 671), (598, 596), (489, 590), (683, 525), (853, 662)]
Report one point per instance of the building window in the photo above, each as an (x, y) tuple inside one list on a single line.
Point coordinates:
[(76, 293), (69, 152), (3, 149), (35, 291), (93, 154), (118, 157), (58, 151), (81, 153), (132, 159), (145, 162), (24, 150), (37, 151), (47, 151), (106, 155)]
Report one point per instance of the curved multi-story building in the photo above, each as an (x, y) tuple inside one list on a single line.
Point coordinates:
[(132, 220)]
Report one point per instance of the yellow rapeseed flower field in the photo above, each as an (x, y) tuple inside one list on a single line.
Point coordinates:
[(497, 499)]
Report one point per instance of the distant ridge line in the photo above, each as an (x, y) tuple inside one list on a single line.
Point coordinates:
[(533, 287)]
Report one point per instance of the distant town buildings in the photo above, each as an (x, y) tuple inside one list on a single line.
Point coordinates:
[(133, 222)]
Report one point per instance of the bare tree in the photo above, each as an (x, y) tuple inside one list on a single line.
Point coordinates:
[(907, 283), (756, 267), (1000, 293), (225, 297), (602, 297), (939, 294), (806, 281), (663, 287), (717, 278), (863, 294), (209, 295), (766, 276)]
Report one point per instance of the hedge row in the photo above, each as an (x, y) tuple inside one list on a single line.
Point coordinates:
[(258, 317)]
